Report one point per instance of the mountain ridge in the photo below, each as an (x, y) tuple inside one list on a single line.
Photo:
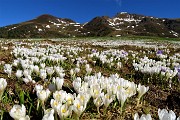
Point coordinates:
[(122, 24)]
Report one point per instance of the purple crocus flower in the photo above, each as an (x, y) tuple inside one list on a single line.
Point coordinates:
[(178, 76), (159, 52), (93, 51), (177, 68), (163, 69), (125, 53)]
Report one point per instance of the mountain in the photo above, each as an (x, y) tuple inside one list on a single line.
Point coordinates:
[(122, 24), (42, 27)]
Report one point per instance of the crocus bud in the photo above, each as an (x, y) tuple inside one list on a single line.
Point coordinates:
[(59, 83), (8, 69), (19, 74), (3, 85), (142, 90)]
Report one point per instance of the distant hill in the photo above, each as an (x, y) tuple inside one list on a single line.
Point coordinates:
[(122, 24)]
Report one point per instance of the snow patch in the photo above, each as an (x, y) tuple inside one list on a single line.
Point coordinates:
[(119, 29), (12, 28), (118, 35), (77, 25), (123, 13), (174, 33), (40, 30), (47, 26)]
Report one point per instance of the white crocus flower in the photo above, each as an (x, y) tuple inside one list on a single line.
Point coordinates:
[(141, 90), (119, 65), (77, 84), (78, 107), (59, 82), (95, 90), (165, 115), (131, 90), (3, 85), (18, 112), (57, 69), (43, 65), (84, 88), (54, 104), (84, 98), (15, 63), (50, 70), (43, 74), (64, 111), (178, 118), (72, 60), (26, 80), (8, 69), (61, 75), (24, 65), (69, 99), (36, 69), (60, 96), (30, 79), (122, 96), (43, 95), (87, 66), (26, 73), (76, 70), (48, 115), (38, 87), (98, 102), (107, 99), (19, 74), (71, 72), (88, 70), (143, 117)]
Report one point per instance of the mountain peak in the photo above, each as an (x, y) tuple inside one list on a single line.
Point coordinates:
[(123, 13), (45, 16)]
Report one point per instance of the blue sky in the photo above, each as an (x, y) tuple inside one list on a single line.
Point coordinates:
[(16, 11)]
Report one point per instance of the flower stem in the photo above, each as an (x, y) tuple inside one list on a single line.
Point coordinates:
[(105, 110), (98, 110), (138, 101), (122, 104), (2, 112), (1, 94), (76, 117), (37, 105), (55, 116)]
